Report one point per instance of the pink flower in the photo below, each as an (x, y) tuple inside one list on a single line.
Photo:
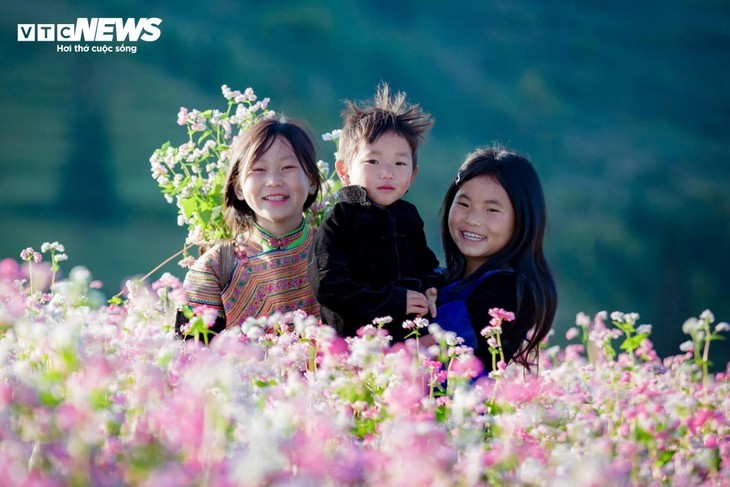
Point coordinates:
[(501, 314), (182, 116), (466, 366), (29, 254), (571, 333), (9, 270), (208, 313)]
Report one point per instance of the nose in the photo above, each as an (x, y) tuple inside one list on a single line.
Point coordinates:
[(386, 172), (471, 219), (274, 179)]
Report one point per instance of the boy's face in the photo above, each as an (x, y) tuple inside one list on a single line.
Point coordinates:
[(384, 168)]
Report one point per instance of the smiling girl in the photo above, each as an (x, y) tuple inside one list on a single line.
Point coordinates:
[(272, 179), (492, 227)]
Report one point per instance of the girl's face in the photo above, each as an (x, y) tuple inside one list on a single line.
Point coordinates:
[(481, 220), (275, 186)]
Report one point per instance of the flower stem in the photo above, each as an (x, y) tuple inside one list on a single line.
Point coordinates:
[(184, 249)]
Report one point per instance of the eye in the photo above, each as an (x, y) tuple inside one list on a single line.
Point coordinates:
[(371, 161), (289, 166), (462, 204), (492, 210), (257, 169), (401, 163)]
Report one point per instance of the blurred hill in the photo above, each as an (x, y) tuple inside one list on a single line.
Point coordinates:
[(622, 108)]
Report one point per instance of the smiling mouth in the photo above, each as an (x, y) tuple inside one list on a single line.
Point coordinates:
[(472, 237), (275, 197)]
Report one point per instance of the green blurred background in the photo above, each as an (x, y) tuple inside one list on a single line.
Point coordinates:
[(622, 108)]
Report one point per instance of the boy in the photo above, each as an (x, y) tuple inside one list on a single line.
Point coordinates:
[(369, 258)]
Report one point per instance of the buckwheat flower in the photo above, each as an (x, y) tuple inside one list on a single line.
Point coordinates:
[(691, 326), (459, 350), (158, 170), (707, 315), (60, 257), (226, 127), (29, 254), (323, 167), (250, 94), (227, 93), (334, 135), (166, 280), (641, 329), (500, 314), (686, 346), (617, 316), (382, 321), (490, 331), (571, 333), (265, 103), (198, 127), (722, 327), (492, 342), (182, 116)]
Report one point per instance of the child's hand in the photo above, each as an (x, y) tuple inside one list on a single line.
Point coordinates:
[(431, 295), (416, 303)]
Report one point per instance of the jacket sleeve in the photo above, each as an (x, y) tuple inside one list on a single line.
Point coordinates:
[(426, 259), (333, 284), (203, 287)]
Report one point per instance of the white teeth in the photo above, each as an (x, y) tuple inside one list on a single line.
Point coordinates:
[(277, 197), (472, 236)]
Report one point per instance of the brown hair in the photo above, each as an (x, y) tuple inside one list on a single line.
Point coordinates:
[(366, 122), (251, 146)]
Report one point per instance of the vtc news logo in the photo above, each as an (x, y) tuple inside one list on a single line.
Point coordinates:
[(93, 29)]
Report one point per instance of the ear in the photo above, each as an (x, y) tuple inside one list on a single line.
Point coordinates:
[(239, 192), (312, 186), (342, 171)]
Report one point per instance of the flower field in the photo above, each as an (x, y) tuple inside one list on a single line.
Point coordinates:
[(96, 394)]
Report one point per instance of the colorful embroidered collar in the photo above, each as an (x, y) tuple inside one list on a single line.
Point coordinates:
[(291, 240)]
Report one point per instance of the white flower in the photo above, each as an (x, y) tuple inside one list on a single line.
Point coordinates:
[(334, 135), (721, 327), (686, 346), (644, 329), (382, 321), (691, 326), (617, 316), (707, 316)]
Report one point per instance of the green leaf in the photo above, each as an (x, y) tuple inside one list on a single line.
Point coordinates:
[(633, 342), (205, 216), (624, 327), (187, 205), (664, 457)]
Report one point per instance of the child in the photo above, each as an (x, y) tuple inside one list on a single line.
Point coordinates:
[(493, 220), (273, 178), (369, 258)]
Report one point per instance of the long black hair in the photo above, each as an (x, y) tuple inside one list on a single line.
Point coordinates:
[(524, 251)]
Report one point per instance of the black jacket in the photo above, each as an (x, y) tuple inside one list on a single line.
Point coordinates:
[(363, 260)]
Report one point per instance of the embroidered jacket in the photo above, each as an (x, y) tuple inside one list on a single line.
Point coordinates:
[(269, 275)]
